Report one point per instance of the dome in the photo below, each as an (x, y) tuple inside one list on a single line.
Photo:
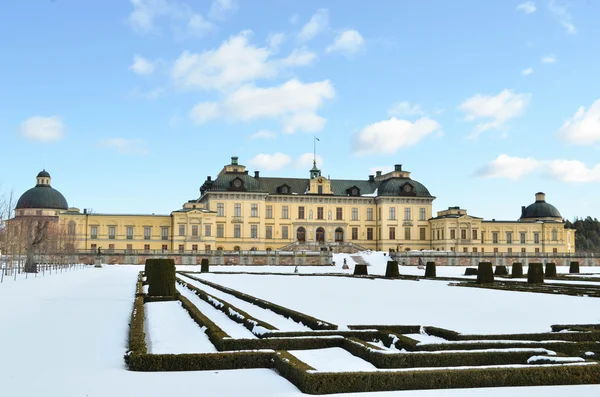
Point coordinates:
[(540, 209), (396, 187), (42, 197), (43, 174)]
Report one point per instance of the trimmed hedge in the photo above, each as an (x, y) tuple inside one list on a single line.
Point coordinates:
[(442, 333), (204, 267), (360, 270), (470, 271), (517, 269), (535, 273), (501, 270), (201, 362), (161, 277), (391, 270), (550, 270), (485, 273), (399, 329), (430, 270), (137, 336), (574, 267)]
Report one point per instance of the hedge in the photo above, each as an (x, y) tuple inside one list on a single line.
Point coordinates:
[(391, 270), (160, 274), (201, 362), (470, 271), (309, 321), (360, 270), (137, 336), (550, 270), (430, 270), (535, 273), (399, 329), (574, 267), (517, 269), (204, 267), (501, 270), (485, 273)]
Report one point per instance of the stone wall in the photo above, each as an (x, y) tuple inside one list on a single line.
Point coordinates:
[(468, 259)]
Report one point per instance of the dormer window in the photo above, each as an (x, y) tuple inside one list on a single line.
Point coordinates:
[(284, 189), (353, 191)]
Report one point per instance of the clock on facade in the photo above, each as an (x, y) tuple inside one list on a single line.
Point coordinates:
[(237, 183), (320, 180), (407, 188)]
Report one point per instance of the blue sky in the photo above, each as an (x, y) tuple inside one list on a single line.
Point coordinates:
[(131, 104)]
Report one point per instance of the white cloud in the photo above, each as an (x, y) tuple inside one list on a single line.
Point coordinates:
[(507, 167), (527, 7), (549, 59), (275, 40), (271, 162), (299, 57), (349, 42), (125, 146), (42, 129), (515, 168), (317, 24), (294, 19), (142, 18), (404, 108), (561, 14), (388, 136), (263, 134), (584, 127), (142, 66), (204, 111), (305, 160), (499, 108), (220, 9), (527, 72)]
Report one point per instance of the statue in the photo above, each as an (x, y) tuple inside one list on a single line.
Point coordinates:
[(39, 236)]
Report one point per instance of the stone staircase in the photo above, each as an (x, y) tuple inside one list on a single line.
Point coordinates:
[(338, 248)]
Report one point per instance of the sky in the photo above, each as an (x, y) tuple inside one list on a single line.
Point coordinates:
[(130, 104)]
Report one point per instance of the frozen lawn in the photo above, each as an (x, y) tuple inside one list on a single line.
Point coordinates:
[(346, 301), (334, 359)]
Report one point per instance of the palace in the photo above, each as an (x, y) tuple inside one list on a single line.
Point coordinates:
[(238, 211)]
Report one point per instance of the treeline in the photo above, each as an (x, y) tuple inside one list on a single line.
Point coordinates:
[(587, 237)]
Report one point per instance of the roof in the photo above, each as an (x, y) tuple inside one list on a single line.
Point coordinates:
[(43, 174), (42, 196), (540, 209)]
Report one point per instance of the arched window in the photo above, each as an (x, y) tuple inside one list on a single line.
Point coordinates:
[(237, 248)]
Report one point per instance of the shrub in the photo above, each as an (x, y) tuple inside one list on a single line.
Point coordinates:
[(535, 273), (517, 269), (470, 271), (204, 268), (501, 271), (360, 270), (391, 270), (430, 271), (550, 270), (161, 277), (485, 273), (574, 268)]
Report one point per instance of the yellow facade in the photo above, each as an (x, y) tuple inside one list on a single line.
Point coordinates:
[(237, 211)]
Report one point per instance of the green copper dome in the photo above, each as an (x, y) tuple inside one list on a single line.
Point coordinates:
[(42, 196), (540, 209)]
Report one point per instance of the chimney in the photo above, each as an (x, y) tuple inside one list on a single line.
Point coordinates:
[(208, 178), (234, 160), (398, 167), (85, 210), (540, 196), (378, 173), (257, 174), (371, 178), (246, 172), (522, 211)]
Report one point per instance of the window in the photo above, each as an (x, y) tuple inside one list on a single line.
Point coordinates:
[(111, 247), (510, 250), (147, 232), (181, 248), (338, 214), (111, 232), (495, 250), (554, 235), (71, 228), (422, 214), (194, 247), (463, 234), (269, 212), (494, 237), (508, 237), (300, 212), (94, 232), (407, 233), (354, 214), (220, 209), (207, 248), (320, 189), (285, 212), (537, 250), (195, 230), (555, 250), (237, 209), (522, 237), (146, 247), (93, 246), (164, 233), (369, 214), (392, 213), (465, 249), (536, 237), (474, 249), (422, 233), (129, 232), (392, 233), (253, 231), (379, 214), (207, 230), (237, 231), (523, 250), (284, 232), (319, 212), (129, 248), (354, 233), (474, 234), (254, 210), (482, 238), (220, 230), (269, 232), (407, 214), (182, 230), (164, 248), (452, 234), (369, 233)]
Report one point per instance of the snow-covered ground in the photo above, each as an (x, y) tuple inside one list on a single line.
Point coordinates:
[(65, 337), (334, 359), (348, 301)]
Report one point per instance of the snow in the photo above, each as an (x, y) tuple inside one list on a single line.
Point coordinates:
[(334, 359), (162, 337), (542, 359), (351, 301)]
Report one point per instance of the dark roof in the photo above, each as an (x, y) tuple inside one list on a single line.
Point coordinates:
[(392, 186), (42, 196), (43, 174), (540, 209)]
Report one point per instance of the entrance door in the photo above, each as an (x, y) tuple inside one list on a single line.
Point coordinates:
[(339, 235), (320, 235), (301, 234)]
